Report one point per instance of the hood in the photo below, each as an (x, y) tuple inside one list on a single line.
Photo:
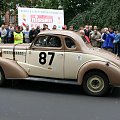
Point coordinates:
[(23, 46), (104, 54)]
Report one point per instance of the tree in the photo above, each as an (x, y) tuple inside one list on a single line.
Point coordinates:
[(104, 13), (74, 7)]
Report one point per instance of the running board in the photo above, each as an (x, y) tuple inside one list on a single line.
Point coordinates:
[(66, 81)]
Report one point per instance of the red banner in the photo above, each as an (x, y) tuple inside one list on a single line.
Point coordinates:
[(41, 19)]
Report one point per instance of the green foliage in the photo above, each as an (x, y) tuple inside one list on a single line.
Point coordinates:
[(74, 7), (103, 14)]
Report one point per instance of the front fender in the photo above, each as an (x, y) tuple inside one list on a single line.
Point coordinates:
[(12, 69), (112, 71)]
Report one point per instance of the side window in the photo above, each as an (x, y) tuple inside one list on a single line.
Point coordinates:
[(41, 41), (48, 41), (53, 41), (70, 43)]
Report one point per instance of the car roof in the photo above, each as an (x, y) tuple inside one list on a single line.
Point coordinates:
[(59, 32)]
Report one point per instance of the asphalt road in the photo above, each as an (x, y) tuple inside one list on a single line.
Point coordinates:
[(47, 101)]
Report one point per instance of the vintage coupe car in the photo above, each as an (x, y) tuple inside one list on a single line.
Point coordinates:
[(61, 56)]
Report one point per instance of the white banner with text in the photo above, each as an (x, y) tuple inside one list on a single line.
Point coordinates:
[(37, 17)]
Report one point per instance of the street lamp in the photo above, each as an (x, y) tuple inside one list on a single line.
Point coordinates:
[(60, 7)]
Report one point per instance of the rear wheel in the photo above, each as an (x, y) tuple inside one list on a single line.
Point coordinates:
[(95, 83), (2, 77)]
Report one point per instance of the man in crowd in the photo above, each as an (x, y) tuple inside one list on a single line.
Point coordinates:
[(17, 37), (54, 27), (87, 31), (46, 27), (71, 28), (109, 37), (26, 33), (64, 27), (86, 38), (117, 43), (81, 28), (90, 28), (96, 38), (38, 29), (9, 32), (33, 33), (3, 32), (11, 27)]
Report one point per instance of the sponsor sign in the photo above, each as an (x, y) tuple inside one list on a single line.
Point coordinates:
[(37, 17)]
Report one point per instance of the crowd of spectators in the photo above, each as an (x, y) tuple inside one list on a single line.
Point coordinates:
[(107, 38)]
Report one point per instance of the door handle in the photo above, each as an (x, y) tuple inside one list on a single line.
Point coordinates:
[(60, 54)]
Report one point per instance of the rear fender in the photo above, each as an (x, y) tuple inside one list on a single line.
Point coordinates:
[(92, 65), (11, 69)]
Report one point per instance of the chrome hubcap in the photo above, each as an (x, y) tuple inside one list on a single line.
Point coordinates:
[(95, 83)]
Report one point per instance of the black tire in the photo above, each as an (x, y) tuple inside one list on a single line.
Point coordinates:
[(2, 77), (95, 83)]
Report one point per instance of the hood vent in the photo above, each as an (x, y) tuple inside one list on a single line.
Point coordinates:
[(7, 52), (11, 53)]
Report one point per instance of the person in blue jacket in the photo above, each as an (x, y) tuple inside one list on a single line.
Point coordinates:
[(117, 43), (108, 39)]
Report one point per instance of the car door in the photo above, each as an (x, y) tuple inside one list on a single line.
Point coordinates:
[(46, 57), (73, 58)]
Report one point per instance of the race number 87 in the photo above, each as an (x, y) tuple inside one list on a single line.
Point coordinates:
[(43, 56)]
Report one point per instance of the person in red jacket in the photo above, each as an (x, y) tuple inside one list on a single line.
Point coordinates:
[(82, 32)]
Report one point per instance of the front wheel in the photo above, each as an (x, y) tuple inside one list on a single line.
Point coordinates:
[(95, 83), (2, 77)]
